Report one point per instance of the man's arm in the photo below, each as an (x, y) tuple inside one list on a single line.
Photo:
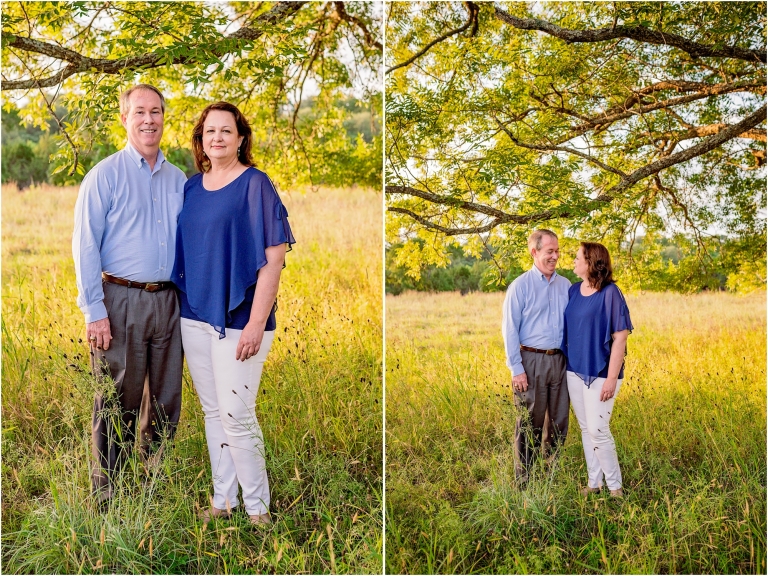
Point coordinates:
[(91, 209), (510, 327)]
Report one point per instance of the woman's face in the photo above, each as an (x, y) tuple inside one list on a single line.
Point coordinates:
[(220, 137), (580, 267)]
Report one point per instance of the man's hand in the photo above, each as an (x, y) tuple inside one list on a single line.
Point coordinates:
[(98, 334), (520, 382)]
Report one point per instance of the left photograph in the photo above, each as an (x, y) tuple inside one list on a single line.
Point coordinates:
[(191, 287)]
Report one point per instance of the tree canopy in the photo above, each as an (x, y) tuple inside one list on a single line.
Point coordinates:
[(289, 66), (602, 120)]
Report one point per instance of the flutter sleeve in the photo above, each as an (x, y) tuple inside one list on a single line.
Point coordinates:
[(268, 215), (617, 313)]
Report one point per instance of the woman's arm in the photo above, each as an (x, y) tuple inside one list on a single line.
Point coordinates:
[(264, 298), (614, 364)]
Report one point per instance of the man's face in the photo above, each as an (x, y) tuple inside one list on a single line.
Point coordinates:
[(144, 121), (546, 258)]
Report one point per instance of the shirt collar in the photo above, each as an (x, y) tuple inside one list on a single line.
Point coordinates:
[(539, 274), (139, 160)]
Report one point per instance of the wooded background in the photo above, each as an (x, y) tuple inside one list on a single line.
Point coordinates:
[(637, 124), (306, 74)]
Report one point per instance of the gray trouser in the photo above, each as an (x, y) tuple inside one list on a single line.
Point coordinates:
[(547, 394), (145, 351)]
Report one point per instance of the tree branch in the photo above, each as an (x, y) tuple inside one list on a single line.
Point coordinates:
[(637, 33), (552, 148), (708, 130), (78, 63), (620, 113), (702, 90), (702, 147), (341, 12), (471, 21), (447, 201), (608, 196), (447, 231)]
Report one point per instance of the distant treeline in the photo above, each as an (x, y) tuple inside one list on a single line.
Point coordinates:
[(26, 151), (656, 264)]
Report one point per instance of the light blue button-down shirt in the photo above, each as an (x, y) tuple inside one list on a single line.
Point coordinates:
[(533, 314), (125, 224)]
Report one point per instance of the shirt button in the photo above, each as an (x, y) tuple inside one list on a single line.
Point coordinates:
[(162, 243), (159, 221), (155, 199), (162, 267)]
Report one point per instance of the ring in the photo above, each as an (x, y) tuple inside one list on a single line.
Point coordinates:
[(92, 338)]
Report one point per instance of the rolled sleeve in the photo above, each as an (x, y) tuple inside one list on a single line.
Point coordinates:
[(91, 210), (510, 329)]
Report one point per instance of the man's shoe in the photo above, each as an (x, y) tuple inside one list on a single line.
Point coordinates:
[(213, 513), (589, 490), (618, 493), (260, 519), (103, 498), (152, 460)]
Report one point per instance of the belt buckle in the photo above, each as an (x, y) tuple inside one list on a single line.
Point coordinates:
[(152, 286)]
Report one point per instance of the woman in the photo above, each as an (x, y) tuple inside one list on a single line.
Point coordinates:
[(595, 334), (230, 249)]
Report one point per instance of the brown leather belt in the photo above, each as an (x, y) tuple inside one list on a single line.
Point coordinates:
[(538, 350), (148, 286)]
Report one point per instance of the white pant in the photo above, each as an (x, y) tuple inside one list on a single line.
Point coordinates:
[(227, 389), (594, 418)]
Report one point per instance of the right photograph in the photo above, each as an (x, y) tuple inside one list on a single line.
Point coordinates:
[(576, 287)]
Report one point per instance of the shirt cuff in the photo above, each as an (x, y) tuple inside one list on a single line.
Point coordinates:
[(518, 369), (94, 312)]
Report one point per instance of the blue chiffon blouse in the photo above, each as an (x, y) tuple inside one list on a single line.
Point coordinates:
[(221, 243), (589, 324)]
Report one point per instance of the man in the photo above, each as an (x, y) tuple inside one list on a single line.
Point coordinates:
[(532, 326), (124, 247)]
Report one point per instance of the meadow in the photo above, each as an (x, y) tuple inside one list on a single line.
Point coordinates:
[(319, 407), (689, 424)]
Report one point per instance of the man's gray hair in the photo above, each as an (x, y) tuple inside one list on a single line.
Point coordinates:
[(534, 240), (125, 97)]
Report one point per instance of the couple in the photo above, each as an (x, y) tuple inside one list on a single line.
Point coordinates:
[(562, 341), (163, 261)]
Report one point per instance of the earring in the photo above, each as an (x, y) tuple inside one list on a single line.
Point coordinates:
[(238, 150)]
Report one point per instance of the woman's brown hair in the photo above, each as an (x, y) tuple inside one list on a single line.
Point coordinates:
[(243, 129), (599, 269)]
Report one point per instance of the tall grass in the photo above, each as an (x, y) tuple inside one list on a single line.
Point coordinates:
[(689, 423), (319, 408)]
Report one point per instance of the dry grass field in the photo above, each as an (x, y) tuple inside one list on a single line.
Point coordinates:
[(689, 423), (319, 408)]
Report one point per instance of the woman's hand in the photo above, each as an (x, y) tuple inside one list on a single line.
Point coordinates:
[(609, 389), (250, 341)]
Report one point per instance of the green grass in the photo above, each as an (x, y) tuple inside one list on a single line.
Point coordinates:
[(689, 423), (319, 408)]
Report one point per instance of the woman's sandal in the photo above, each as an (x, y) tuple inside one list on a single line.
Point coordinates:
[(213, 513), (588, 490), (260, 519), (618, 493)]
